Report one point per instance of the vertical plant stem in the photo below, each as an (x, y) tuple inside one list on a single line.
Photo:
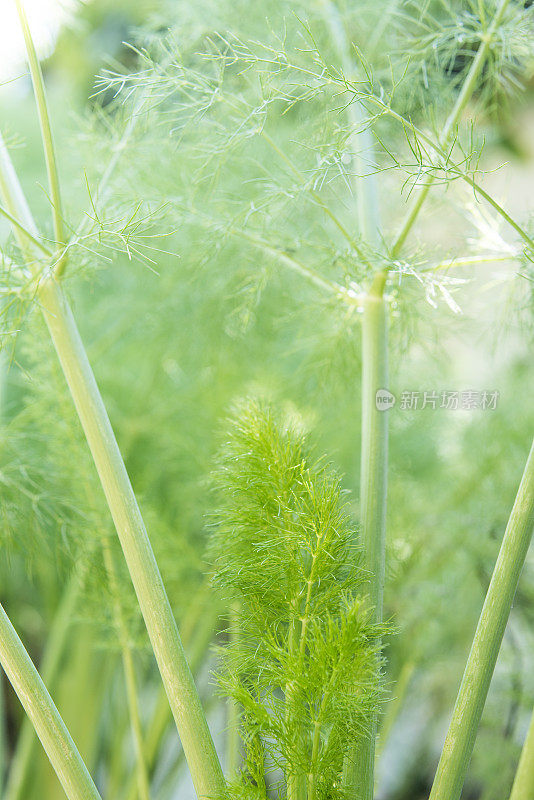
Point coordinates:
[(46, 130), (460, 739), (523, 788), (358, 773), (181, 691), (232, 738), (129, 675), (295, 781), (39, 707), (360, 141), (22, 758)]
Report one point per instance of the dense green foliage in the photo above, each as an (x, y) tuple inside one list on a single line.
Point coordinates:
[(302, 664)]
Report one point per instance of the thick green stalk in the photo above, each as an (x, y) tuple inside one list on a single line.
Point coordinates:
[(45, 717), (181, 691), (46, 130), (358, 773), (161, 626), (445, 138), (523, 788), (21, 761), (463, 727)]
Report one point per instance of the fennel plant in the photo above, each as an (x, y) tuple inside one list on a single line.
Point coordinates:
[(287, 145)]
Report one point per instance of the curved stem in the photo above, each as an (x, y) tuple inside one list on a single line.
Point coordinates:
[(460, 739), (45, 717), (360, 140)]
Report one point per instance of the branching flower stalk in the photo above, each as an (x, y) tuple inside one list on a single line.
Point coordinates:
[(460, 739), (161, 626), (45, 717)]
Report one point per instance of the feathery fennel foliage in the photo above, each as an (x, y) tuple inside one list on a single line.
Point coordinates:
[(303, 668)]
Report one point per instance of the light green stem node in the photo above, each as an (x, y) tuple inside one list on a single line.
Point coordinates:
[(460, 739), (46, 132), (45, 717)]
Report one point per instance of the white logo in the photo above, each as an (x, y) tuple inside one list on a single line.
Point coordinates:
[(384, 399)]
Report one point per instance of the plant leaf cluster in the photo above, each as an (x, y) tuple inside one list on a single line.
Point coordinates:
[(303, 668)]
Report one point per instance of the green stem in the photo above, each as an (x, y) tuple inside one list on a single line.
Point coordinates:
[(161, 626), (46, 132), (129, 675), (294, 777), (181, 691), (33, 239), (523, 788), (360, 140), (461, 735), (232, 738), (21, 761), (358, 772), (451, 122), (45, 717)]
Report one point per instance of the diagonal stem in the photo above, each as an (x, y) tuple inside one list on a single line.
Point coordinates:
[(45, 717), (462, 100), (460, 739), (358, 771), (22, 758), (46, 132), (523, 788), (181, 691)]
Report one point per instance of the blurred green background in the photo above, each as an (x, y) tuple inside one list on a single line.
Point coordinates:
[(173, 343)]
